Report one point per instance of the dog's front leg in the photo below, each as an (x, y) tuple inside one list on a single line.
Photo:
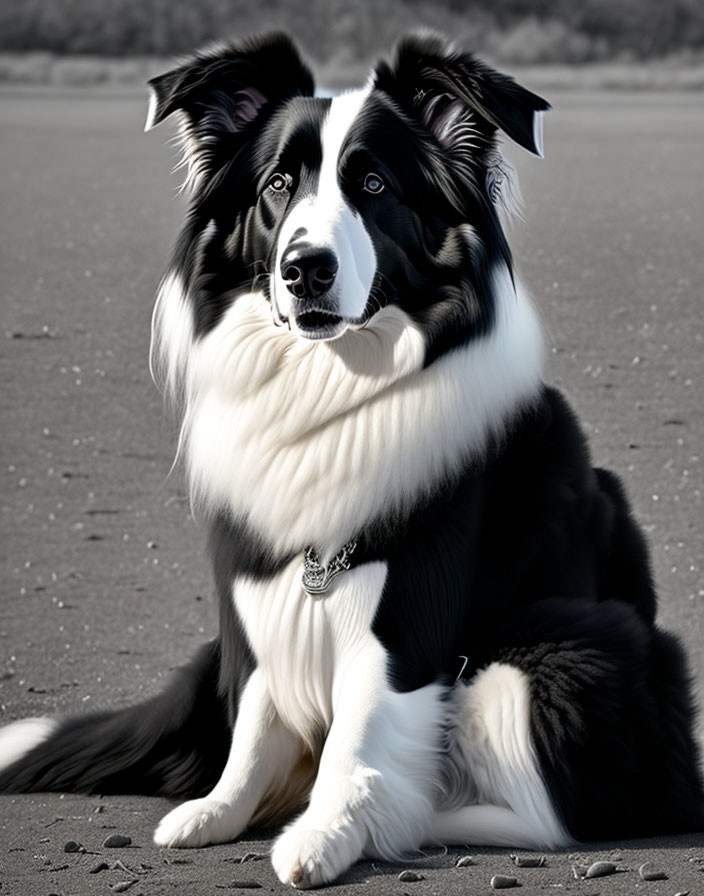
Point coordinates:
[(262, 753), (376, 781)]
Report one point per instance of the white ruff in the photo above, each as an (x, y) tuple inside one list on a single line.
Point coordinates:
[(311, 441)]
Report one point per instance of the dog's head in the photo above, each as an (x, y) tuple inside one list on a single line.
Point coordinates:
[(336, 208)]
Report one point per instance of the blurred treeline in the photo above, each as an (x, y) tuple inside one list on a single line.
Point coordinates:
[(340, 31)]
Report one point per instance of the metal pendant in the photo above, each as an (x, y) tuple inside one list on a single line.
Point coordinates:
[(317, 578)]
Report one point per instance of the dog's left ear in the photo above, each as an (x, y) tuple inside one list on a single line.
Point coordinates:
[(225, 87), (442, 86), (223, 95)]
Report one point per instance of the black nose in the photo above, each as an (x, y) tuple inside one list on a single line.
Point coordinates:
[(308, 271)]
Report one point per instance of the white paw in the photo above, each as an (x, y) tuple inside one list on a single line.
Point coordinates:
[(198, 823), (307, 858)]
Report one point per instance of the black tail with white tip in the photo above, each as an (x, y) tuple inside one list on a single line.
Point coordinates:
[(174, 744)]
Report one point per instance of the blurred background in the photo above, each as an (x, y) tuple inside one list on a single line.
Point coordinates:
[(83, 41)]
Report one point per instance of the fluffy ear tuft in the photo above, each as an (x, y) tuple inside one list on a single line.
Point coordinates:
[(442, 87), (235, 81)]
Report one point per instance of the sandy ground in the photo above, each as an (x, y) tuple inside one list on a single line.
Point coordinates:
[(104, 587)]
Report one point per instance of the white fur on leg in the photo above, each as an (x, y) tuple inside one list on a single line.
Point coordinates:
[(262, 755), (512, 807), (376, 781), (312, 852), (485, 826), (19, 738), (200, 823)]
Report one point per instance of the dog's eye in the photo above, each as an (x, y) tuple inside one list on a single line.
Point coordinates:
[(373, 183), (278, 182)]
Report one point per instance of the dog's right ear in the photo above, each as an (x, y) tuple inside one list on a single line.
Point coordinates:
[(220, 93)]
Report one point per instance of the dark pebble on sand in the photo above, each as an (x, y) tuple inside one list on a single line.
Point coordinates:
[(73, 846), (502, 882), (115, 841), (101, 866), (408, 877), (647, 872), (529, 861), (465, 862), (600, 869), (122, 886)]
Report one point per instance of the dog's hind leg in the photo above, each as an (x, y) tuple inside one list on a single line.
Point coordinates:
[(582, 703), (510, 804), (262, 756), (487, 826)]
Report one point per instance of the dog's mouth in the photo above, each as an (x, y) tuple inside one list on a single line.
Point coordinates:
[(318, 323)]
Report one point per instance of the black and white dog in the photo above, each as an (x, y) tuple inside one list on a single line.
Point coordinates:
[(437, 618)]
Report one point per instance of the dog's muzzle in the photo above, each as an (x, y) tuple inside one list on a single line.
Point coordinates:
[(309, 274)]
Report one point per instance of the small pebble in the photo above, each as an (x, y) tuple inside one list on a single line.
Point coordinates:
[(465, 862), (120, 866), (502, 882), (683, 893), (600, 869), (123, 885), (647, 872), (115, 841), (245, 885), (73, 846), (529, 861), (408, 877), (101, 866)]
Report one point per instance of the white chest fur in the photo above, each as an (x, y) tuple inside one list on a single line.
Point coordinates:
[(310, 441), (303, 644)]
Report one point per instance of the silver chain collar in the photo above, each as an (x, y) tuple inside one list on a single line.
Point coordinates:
[(318, 578)]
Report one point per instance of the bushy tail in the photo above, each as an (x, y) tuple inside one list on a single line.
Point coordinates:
[(175, 744)]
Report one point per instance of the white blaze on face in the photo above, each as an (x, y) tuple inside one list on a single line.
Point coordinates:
[(330, 222)]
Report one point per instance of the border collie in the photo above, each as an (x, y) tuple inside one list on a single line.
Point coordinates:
[(437, 618)]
